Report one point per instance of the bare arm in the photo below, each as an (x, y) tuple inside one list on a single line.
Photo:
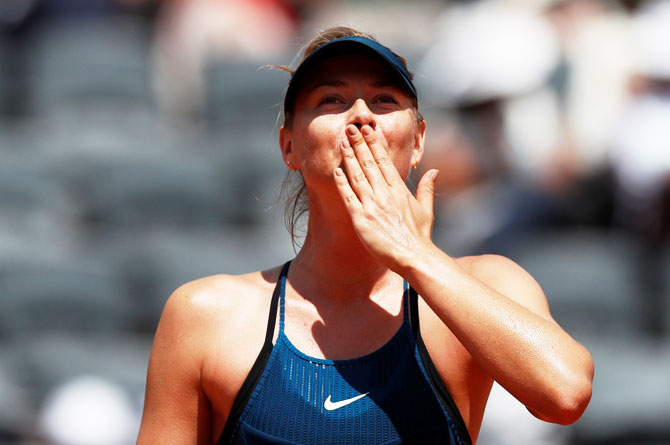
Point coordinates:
[(512, 337), (176, 410), (500, 314)]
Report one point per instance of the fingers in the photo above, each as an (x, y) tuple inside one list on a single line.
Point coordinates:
[(350, 199), (368, 163), (381, 157), (358, 180), (425, 191)]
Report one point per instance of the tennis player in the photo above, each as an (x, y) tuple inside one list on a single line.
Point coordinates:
[(371, 334)]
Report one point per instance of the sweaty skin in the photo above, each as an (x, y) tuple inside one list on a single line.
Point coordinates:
[(354, 137), (498, 332)]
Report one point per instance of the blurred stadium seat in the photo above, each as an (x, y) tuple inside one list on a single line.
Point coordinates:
[(46, 361), (251, 163), (244, 94), (67, 296), (155, 262), (631, 393), (162, 192), (41, 364), (31, 198), (587, 276), (89, 63), (15, 409)]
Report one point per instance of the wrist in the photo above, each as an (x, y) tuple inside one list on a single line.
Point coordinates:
[(429, 269), (419, 257)]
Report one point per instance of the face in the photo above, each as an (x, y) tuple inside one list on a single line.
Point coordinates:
[(350, 90)]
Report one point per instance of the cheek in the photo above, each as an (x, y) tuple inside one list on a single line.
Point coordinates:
[(319, 141), (399, 140)]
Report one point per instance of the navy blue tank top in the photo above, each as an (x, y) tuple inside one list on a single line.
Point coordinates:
[(393, 395)]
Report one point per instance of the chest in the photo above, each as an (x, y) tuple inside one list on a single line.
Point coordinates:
[(352, 335), (230, 363), (382, 397)]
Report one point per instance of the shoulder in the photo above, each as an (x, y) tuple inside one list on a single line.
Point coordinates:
[(212, 306), (495, 269), (508, 278), (218, 297), (205, 321), (205, 317)]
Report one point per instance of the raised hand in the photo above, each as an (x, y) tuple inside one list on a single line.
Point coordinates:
[(391, 223)]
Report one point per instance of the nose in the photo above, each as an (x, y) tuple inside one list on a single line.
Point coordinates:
[(360, 114)]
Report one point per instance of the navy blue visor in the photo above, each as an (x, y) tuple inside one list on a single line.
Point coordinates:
[(350, 45)]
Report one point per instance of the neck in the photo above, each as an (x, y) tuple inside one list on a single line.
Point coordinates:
[(333, 262)]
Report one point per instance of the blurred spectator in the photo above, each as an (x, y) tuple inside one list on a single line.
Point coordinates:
[(641, 142), (596, 45), (16, 19), (193, 33), (89, 410), (487, 50), (490, 67), (641, 156), (407, 27)]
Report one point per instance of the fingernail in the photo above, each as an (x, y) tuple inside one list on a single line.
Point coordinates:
[(433, 174), (351, 130), (366, 130), (339, 172)]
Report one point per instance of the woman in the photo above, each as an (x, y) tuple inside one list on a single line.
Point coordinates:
[(338, 347)]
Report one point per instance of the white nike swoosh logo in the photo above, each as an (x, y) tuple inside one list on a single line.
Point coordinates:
[(330, 405)]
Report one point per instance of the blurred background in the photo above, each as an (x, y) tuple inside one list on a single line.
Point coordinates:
[(138, 151)]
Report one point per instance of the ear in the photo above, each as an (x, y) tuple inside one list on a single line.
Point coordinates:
[(286, 146), (419, 138)]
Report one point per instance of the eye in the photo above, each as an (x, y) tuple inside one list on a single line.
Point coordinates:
[(330, 99), (386, 99)]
